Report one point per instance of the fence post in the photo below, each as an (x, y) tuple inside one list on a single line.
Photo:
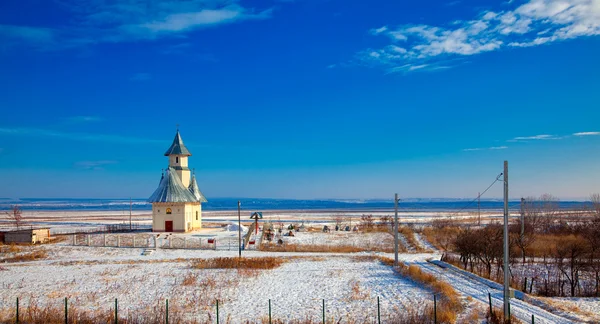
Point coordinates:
[(133, 240), (269, 311), (167, 313), (490, 300), (217, 311), (88, 239), (434, 309), (74, 239), (323, 311), (66, 312), (17, 320), (116, 312), (104, 239), (170, 240), (185, 242), (118, 240), (378, 312), (532, 319), (155, 246)]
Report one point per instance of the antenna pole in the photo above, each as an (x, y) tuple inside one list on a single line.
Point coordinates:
[(395, 230)]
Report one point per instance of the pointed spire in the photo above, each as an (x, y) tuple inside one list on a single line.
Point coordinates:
[(193, 188), (178, 148)]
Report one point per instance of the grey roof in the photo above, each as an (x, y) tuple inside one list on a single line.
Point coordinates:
[(177, 147), (193, 188), (171, 189)]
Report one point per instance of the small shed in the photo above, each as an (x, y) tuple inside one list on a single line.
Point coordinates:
[(31, 235)]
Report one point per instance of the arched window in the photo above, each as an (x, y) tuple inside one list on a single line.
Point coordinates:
[(196, 215), (168, 210)]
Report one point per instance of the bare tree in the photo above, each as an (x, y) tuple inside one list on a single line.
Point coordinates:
[(570, 259), (595, 199), (366, 222), (550, 210), (15, 216)]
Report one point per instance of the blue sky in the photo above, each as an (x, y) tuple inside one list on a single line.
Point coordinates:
[(302, 98)]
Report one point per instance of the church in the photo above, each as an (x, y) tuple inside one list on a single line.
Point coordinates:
[(177, 202)]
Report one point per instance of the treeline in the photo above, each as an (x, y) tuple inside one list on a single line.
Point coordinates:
[(564, 245)]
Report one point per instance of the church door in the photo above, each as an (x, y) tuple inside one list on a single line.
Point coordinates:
[(168, 226)]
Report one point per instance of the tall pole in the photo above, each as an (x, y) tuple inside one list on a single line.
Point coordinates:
[(130, 207), (479, 208), (239, 230), (506, 270), (395, 230)]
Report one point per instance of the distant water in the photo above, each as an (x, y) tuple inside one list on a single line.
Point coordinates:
[(436, 205)]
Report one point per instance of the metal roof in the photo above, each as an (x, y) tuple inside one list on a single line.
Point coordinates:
[(177, 147), (193, 188), (171, 189)]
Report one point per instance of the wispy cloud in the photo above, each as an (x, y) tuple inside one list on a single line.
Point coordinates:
[(93, 165), (485, 148), (121, 21), (141, 77), (586, 134), (36, 132), (536, 137), (84, 119), (536, 22)]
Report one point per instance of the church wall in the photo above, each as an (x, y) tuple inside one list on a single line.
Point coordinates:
[(178, 216)]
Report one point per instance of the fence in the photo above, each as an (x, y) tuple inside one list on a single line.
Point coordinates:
[(427, 315), (155, 241)]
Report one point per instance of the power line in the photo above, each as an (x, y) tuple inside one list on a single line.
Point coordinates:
[(478, 197)]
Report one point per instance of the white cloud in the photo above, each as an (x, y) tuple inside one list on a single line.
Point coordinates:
[(484, 149), (586, 134), (130, 20), (94, 165), (84, 119), (534, 23), (536, 137)]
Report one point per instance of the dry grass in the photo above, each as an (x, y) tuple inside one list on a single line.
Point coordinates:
[(189, 279), (409, 234), (441, 237), (449, 305), (27, 256), (261, 263), (312, 248)]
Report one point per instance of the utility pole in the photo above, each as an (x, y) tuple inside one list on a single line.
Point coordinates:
[(506, 270), (479, 208), (239, 230), (395, 230), (130, 206)]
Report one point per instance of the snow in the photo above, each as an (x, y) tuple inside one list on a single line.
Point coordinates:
[(92, 277)]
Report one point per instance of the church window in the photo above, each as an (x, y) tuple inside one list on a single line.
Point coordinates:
[(177, 159), (196, 215), (169, 211)]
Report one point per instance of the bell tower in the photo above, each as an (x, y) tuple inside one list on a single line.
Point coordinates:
[(178, 159)]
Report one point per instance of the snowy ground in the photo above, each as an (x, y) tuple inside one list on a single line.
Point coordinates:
[(92, 277)]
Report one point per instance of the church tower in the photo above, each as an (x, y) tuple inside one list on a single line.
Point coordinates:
[(178, 159), (177, 202)]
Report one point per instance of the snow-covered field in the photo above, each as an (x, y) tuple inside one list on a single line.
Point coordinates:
[(92, 277)]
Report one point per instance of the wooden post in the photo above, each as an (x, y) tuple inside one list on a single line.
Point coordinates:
[(323, 311), (66, 312), (434, 309), (532, 319), (17, 319), (167, 312), (116, 312), (490, 300), (269, 311), (378, 312), (217, 311)]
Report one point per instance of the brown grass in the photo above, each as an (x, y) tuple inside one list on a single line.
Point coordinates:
[(261, 263), (409, 234), (27, 256), (449, 305), (311, 248), (189, 279)]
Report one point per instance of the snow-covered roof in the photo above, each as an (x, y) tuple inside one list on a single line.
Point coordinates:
[(171, 189), (193, 188)]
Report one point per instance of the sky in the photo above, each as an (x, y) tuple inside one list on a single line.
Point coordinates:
[(300, 98)]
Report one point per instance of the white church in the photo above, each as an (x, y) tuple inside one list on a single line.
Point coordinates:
[(177, 202)]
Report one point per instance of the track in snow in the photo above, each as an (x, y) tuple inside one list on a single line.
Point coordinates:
[(479, 291)]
